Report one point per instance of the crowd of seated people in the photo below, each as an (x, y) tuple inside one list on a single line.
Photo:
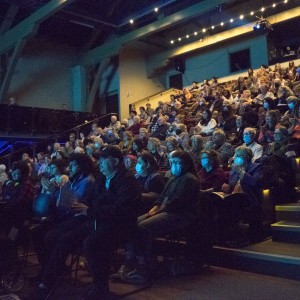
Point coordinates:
[(143, 176)]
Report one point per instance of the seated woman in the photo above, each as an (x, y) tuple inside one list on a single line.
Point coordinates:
[(173, 211), (206, 126), (211, 176), (244, 198), (155, 148), (151, 181), (126, 143), (266, 132), (196, 148)]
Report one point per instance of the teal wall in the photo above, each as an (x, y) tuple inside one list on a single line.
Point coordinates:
[(215, 61)]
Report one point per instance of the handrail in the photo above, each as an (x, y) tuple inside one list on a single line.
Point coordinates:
[(56, 135)]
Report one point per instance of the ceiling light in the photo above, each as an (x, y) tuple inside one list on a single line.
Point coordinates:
[(203, 30), (231, 20), (222, 24), (213, 27), (172, 42), (179, 39), (195, 33), (156, 9), (252, 13), (262, 9), (131, 21), (285, 1), (187, 36), (274, 5), (241, 17)]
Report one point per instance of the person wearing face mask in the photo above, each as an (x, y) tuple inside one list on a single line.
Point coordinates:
[(266, 132), (227, 119), (173, 211), (248, 138), (211, 175), (244, 184), (152, 183), (291, 119)]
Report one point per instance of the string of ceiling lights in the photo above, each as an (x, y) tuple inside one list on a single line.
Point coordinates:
[(223, 23)]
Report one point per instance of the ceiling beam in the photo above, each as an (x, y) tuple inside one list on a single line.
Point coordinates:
[(9, 18), (112, 47), (28, 26)]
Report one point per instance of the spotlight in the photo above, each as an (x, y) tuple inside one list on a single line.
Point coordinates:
[(262, 26)]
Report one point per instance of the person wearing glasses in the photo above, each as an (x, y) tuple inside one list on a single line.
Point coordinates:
[(173, 211), (249, 141)]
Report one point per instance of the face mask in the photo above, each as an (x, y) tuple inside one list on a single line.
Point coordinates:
[(204, 162), (176, 169), (247, 139), (139, 169), (239, 161), (266, 105), (291, 105)]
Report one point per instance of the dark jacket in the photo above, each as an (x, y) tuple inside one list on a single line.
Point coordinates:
[(180, 194), (161, 132), (119, 203)]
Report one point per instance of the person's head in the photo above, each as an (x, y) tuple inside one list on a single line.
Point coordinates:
[(246, 94), (137, 145), (242, 156), (40, 156), (249, 135), (57, 167), (209, 160), (94, 126), (143, 133), (110, 158), (264, 89), (177, 105), (227, 110), (132, 113), (56, 146), (180, 128), (113, 119), (25, 156), (171, 143), (292, 102), (219, 137), (269, 103), (153, 144), (182, 163), (72, 137), (136, 119), (2, 169), (146, 165), (19, 171), (60, 155), (206, 115), (148, 105), (47, 159), (239, 121), (284, 92), (130, 162), (197, 142), (142, 109), (89, 149), (80, 164), (271, 118), (281, 135)]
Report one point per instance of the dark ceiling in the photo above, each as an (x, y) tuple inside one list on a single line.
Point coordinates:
[(85, 24)]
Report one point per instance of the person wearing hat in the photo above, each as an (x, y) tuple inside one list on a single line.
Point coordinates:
[(110, 216)]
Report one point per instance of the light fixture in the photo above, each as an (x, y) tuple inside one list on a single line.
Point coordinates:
[(203, 30), (195, 33), (172, 42), (241, 17), (179, 39), (262, 9), (213, 27), (131, 21), (231, 20), (156, 9), (222, 24), (262, 25), (285, 1), (274, 5), (252, 13), (187, 36)]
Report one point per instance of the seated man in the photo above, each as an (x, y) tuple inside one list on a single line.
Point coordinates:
[(218, 143), (248, 137), (110, 217), (162, 129)]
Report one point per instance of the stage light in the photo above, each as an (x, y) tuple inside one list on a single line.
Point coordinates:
[(187, 36), (156, 9), (241, 17), (131, 21), (172, 42), (231, 20), (195, 33), (222, 24), (203, 30)]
